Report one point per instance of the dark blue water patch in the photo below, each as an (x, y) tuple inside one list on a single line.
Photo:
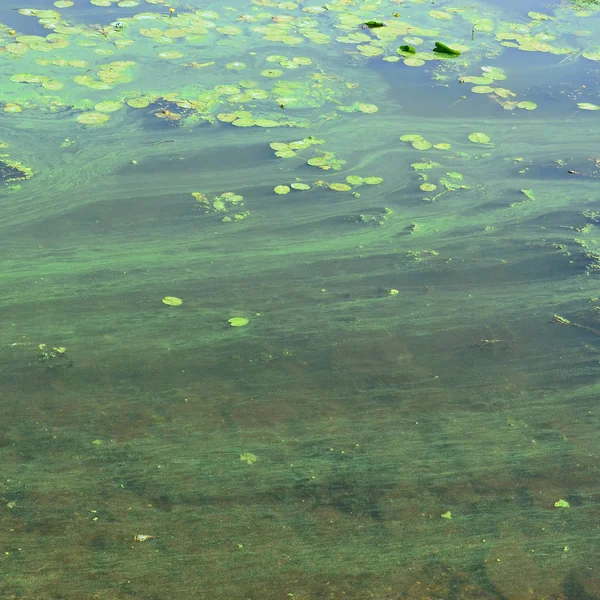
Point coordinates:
[(22, 24), (522, 7)]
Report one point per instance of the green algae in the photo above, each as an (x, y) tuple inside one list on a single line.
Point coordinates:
[(460, 378)]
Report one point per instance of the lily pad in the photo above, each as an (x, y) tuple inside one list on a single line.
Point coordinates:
[(238, 321), (588, 106), (527, 105), (340, 187), (479, 138), (172, 301), (281, 189)]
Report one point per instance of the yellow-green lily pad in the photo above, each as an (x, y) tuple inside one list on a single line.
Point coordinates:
[(479, 138), (238, 321), (172, 301)]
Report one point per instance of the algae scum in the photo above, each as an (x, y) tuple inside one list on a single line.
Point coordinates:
[(300, 300)]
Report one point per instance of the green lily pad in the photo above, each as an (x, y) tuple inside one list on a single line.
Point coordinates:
[(281, 189), (354, 180), (238, 321), (421, 145), (479, 138), (527, 105), (443, 49), (300, 186), (588, 106), (562, 504), (172, 301), (340, 187)]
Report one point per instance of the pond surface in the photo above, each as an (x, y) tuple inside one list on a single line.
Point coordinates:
[(290, 312)]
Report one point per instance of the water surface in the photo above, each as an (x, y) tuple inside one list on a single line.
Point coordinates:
[(411, 409)]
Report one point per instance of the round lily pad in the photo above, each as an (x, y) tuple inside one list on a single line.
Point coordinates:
[(108, 107), (428, 187), (272, 73), (373, 180), (300, 186), (238, 321), (414, 62), (281, 189), (479, 138), (421, 145), (92, 118), (527, 105), (172, 301), (354, 180), (138, 102)]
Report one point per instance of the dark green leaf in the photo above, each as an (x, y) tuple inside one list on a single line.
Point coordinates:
[(408, 49), (373, 24), (443, 49)]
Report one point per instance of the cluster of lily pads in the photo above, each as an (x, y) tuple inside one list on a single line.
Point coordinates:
[(449, 182), (352, 182), (221, 204)]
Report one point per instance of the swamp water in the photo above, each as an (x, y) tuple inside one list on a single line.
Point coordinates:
[(290, 313)]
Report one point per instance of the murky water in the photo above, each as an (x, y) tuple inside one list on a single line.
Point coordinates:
[(287, 313)]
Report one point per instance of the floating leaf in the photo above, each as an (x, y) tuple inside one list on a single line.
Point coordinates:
[(172, 301), (562, 504), (440, 14), (443, 49), (248, 458), (479, 138), (428, 187), (108, 107), (588, 106), (281, 189), (527, 105), (414, 62), (374, 24), (421, 145), (411, 137), (373, 180), (340, 187), (482, 89), (238, 321), (367, 108), (447, 515), (272, 73), (529, 194), (91, 118), (408, 49), (354, 180), (300, 186)]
